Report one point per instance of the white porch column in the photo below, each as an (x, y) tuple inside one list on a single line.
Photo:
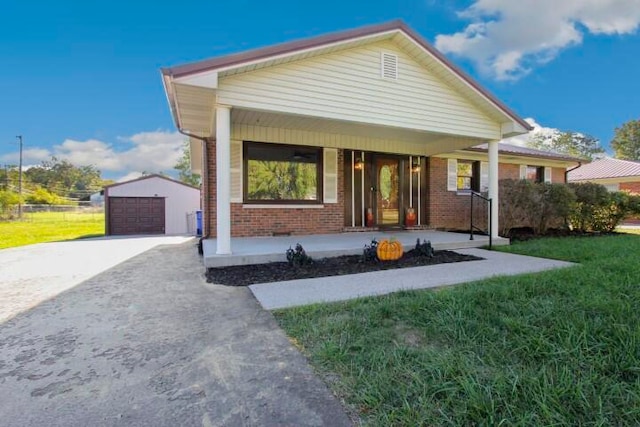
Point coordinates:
[(493, 186), (223, 180)]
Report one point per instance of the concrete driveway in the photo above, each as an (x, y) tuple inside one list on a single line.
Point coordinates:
[(34, 273), (149, 343)]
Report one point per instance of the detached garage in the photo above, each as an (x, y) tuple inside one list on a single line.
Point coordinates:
[(152, 204)]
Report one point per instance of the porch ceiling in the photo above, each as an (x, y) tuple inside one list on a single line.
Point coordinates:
[(427, 143)]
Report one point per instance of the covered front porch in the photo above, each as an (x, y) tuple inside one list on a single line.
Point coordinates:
[(312, 136), (260, 250)]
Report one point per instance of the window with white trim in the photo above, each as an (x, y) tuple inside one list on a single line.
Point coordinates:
[(535, 173)]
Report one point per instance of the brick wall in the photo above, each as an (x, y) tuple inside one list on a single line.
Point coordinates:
[(449, 209), (632, 187), (508, 171), (558, 175), (445, 209), (270, 221)]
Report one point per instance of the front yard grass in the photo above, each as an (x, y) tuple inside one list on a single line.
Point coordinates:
[(555, 348), (50, 226)]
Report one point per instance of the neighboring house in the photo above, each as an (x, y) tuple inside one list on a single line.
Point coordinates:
[(343, 131), (97, 199), (152, 204), (615, 174)]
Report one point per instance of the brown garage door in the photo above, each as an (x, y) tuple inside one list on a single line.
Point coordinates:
[(136, 215)]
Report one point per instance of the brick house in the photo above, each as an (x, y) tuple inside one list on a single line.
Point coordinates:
[(615, 174), (356, 129)]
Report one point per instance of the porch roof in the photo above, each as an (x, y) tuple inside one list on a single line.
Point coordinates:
[(191, 88), (515, 150)]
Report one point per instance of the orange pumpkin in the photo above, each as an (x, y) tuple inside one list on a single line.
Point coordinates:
[(389, 250)]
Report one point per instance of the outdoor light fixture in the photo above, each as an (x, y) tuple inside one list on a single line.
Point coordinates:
[(415, 167), (359, 164)]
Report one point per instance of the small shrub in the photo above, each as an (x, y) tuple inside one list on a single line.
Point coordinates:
[(424, 249), (8, 201), (298, 257), (538, 206), (370, 252), (596, 209), (591, 200)]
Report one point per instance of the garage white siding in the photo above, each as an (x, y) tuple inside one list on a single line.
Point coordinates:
[(180, 199), (349, 85)]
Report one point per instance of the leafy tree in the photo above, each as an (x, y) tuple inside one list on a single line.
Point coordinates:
[(65, 179), (626, 141), (8, 200), (41, 196), (184, 167), (276, 180), (574, 144)]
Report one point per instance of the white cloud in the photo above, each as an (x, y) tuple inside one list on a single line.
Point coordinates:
[(507, 38), (523, 140), (152, 152), (29, 156), (130, 176)]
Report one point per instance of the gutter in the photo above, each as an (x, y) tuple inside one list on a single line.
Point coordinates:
[(168, 89), (205, 175), (566, 173)]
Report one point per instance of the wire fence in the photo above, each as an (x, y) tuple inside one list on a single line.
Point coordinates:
[(48, 213)]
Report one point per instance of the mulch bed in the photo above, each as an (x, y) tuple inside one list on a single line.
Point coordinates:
[(243, 275)]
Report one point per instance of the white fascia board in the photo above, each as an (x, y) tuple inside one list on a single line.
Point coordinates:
[(208, 79), (285, 55)]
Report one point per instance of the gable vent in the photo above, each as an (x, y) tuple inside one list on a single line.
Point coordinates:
[(389, 66)]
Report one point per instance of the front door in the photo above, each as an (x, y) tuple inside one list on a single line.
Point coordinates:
[(387, 191)]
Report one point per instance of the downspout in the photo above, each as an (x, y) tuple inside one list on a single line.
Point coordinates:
[(205, 176), (566, 173), (167, 76)]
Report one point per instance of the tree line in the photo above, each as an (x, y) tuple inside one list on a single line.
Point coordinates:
[(625, 143)]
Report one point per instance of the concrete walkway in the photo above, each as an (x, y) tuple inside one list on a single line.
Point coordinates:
[(338, 288), (150, 343)]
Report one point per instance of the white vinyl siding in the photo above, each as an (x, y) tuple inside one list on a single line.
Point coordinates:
[(346, 85), (236, 171), (330, 175)]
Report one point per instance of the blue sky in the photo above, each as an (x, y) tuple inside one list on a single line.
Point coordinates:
[(81, 79)]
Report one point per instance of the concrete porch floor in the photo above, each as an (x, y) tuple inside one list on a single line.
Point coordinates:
[(261, 250)]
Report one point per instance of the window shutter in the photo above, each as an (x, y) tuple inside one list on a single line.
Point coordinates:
[(452, 175), (330, 175), (547, 174), (523, 171), (236, 171), (484, 177)]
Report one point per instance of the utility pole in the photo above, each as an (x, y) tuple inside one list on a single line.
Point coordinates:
[(20, 179)]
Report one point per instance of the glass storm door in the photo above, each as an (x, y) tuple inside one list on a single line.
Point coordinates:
[(387, 194)]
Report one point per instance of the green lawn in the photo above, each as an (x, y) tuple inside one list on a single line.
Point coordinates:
[(556, 348), (50, 226)]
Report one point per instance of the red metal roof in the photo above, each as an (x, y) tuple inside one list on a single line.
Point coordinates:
[(526, 152), (605, 168)]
